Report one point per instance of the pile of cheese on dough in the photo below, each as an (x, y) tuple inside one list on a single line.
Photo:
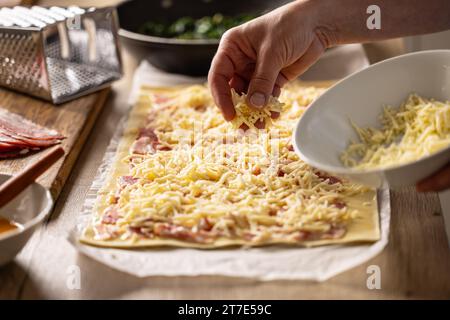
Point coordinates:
[(246, 115), (199, 181), (418, 128)]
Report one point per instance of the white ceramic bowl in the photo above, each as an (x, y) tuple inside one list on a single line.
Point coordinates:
[(28, 209), (324, 131)]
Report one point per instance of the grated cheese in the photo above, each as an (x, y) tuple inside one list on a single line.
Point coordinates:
[(246, 115), (418, 128), (246, 184)]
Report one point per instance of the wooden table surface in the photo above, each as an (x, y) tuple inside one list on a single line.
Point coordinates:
[(415, 264)]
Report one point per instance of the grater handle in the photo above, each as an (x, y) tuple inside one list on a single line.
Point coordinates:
[(64, 40), (90, 27)]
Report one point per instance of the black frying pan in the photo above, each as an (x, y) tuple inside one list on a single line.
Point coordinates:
[(192, 57)]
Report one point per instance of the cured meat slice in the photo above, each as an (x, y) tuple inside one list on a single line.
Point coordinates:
[(13, 153), (126, 180), (147, 142), (7, 140), (19, 136), (4, 147), (25, 128), (23, 141)]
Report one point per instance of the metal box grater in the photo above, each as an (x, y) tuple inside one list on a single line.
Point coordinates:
[(58, 54)]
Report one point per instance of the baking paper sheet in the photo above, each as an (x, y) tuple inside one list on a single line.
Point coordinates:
[(265, 263)]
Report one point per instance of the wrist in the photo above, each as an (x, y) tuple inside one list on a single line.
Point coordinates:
[(321, 18)]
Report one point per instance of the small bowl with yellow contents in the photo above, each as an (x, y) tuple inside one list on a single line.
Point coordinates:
[(20, 217), (387, 125)]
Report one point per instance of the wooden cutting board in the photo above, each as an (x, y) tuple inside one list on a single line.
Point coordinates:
[(73, 119)]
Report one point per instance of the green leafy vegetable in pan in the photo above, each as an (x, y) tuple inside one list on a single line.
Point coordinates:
[(210, 27)]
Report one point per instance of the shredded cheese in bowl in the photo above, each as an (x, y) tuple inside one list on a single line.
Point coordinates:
[(246, 115), (418, 128)]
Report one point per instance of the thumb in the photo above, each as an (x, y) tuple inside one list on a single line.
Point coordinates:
[(263, 81)]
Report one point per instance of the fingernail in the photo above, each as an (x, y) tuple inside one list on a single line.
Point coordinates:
[(258, 100)]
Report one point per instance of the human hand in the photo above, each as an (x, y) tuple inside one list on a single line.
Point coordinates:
[(439, 181), (260, 56)]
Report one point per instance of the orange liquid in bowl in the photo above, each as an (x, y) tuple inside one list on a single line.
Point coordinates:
[(6, 225)]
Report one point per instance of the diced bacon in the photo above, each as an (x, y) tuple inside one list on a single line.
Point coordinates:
[(148, 132), (301, 235), (142, 231), (205, 224), (260, 124), (111, 215), (274, 114), (256, 171), (339, 204), (244, 127), (281, 173), (200, 108), (142, 146), (163, 148), (166, 230), (124, 181), (160, 98), (248, 236), (172, 231), (147, 142), (104, 232), (325, 177), (336, 232), (333, 180)]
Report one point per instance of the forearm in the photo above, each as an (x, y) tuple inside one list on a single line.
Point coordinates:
[(345, 21)]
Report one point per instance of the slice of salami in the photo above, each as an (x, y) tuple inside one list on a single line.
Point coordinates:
[(19, 136), (9, 147), (13, 153), (147, 142), (8, 140), (18, 139), (14, 123)]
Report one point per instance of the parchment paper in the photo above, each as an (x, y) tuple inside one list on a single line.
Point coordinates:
[(265, 263)]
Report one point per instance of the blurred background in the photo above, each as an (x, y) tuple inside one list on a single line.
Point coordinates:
[(180, 56)]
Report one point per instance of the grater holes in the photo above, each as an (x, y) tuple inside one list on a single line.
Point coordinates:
[(69, 77), (32, 61), (18, 56)]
